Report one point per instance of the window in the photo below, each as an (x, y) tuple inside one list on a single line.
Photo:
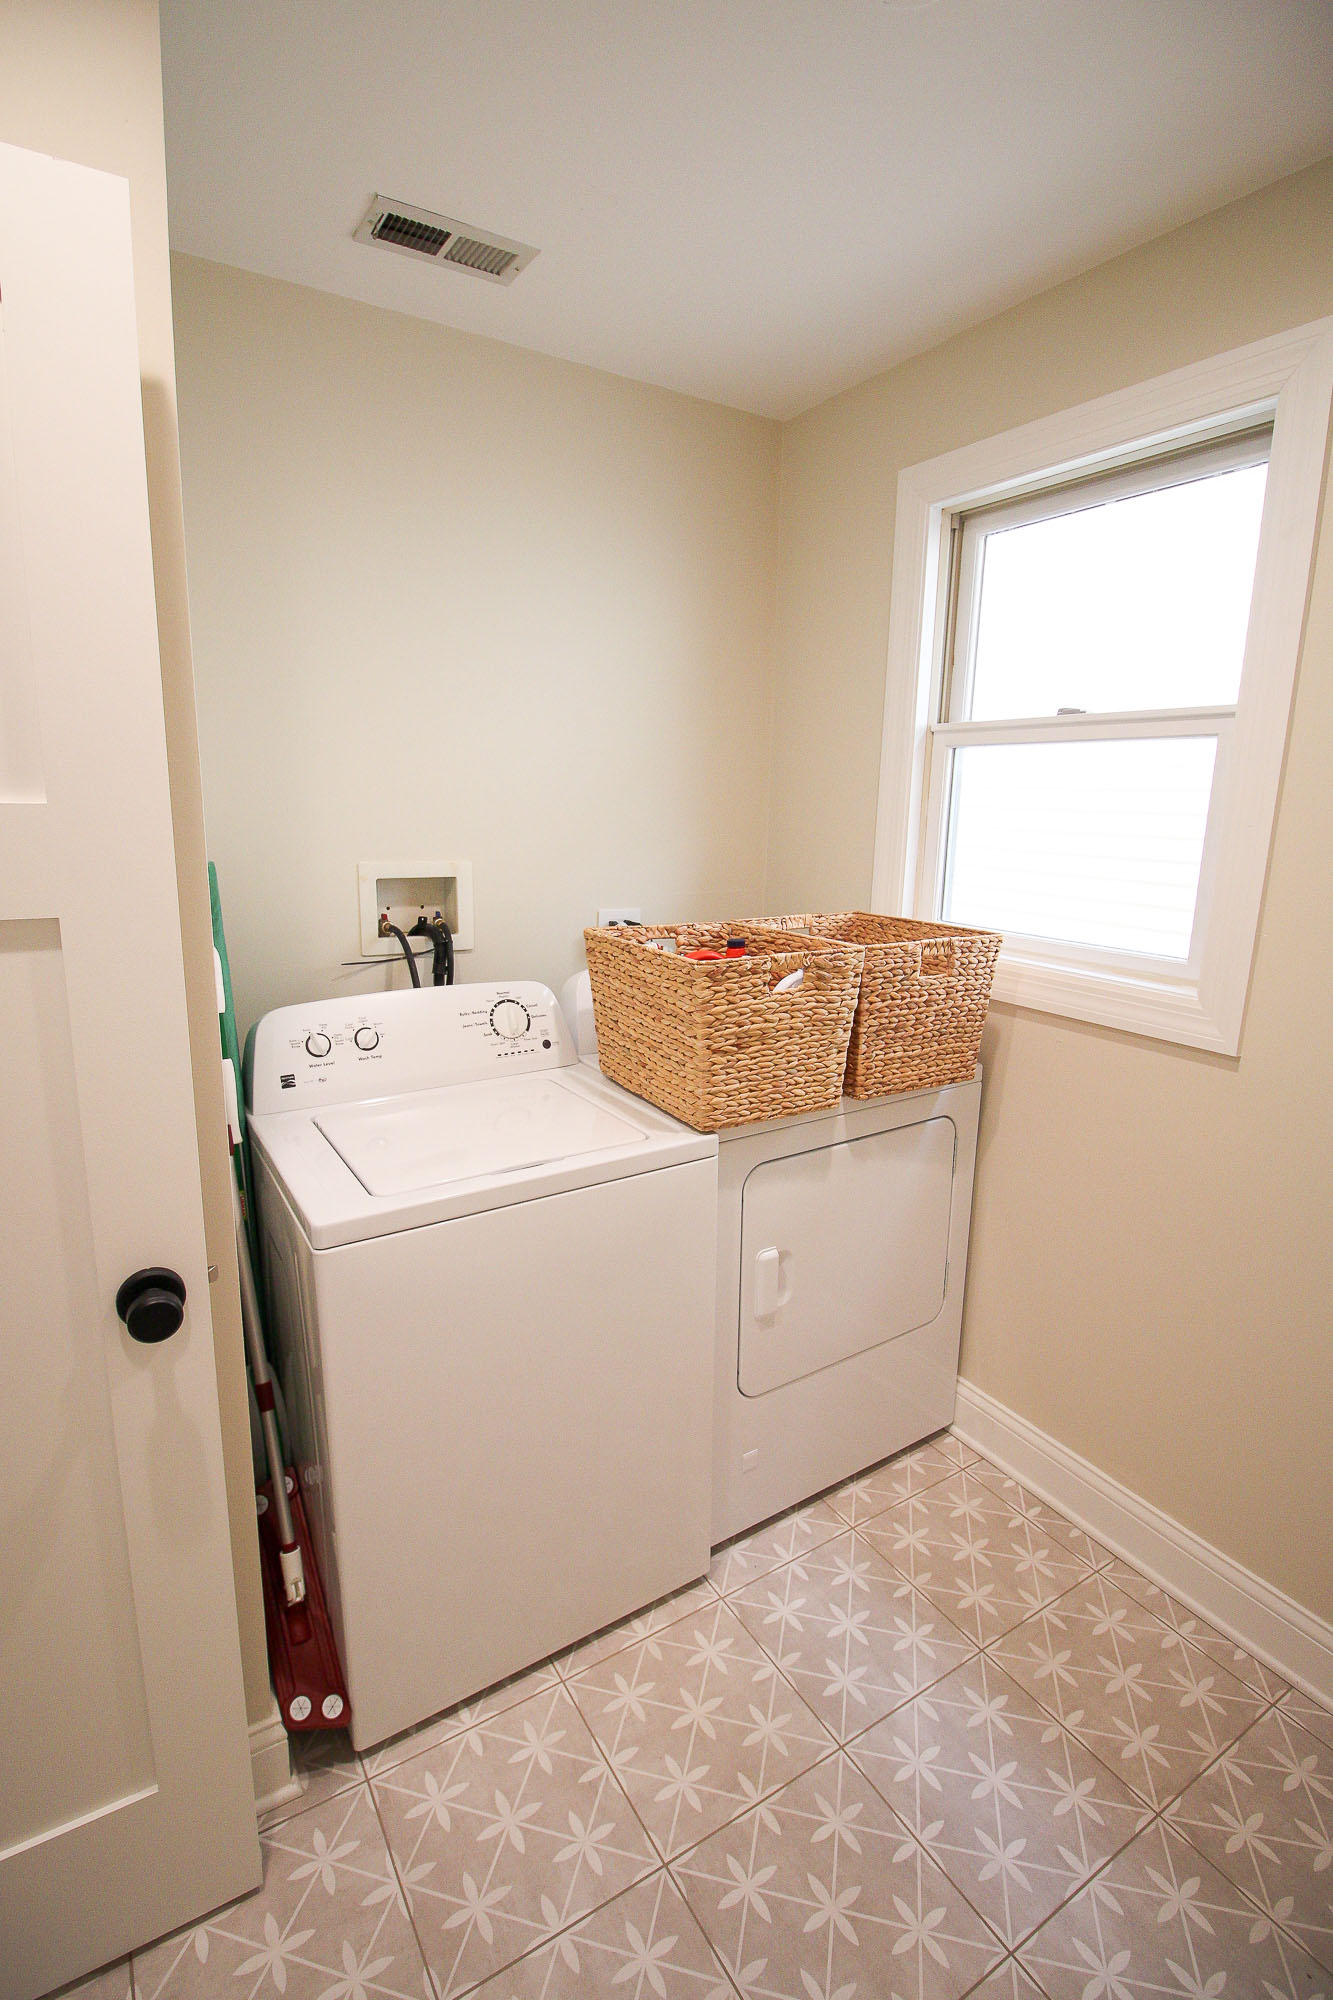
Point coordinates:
[(1092, 662), (1098, 634)]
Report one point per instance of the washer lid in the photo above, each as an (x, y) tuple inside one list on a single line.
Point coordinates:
[(469, 1130)]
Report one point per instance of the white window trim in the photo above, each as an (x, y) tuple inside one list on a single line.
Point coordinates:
[(1288, 380)]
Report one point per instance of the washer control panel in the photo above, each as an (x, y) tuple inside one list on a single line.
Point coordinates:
[(337, 1051)]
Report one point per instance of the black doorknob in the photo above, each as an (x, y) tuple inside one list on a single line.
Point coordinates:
[(152, 1304)]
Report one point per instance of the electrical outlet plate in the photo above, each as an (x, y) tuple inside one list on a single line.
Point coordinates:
[(409, 889), (625, 915)]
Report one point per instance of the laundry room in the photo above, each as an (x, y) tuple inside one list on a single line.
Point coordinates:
[(628, 583)]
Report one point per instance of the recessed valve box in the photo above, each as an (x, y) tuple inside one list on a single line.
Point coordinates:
[(412, 889)]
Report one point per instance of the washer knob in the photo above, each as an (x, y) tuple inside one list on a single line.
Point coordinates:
[(367, 1038), (510, 1019), (317, 1045)]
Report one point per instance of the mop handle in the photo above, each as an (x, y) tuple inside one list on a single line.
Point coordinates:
[(293, 1575)]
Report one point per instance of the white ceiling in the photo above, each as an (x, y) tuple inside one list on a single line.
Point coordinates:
[(756, 201)]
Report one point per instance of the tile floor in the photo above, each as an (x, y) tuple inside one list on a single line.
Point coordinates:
[(920, 1738)]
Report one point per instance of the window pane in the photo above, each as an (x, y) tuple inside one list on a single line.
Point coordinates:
[(1136, 603), (1089, 843)]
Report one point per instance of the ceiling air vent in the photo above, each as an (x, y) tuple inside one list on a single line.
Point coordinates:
[(439, 239), (409, 235)]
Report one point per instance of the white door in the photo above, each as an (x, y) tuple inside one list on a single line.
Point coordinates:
[(842, 1249), (125, 1798)]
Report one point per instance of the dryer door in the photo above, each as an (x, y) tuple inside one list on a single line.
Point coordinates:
[(842, 1249)]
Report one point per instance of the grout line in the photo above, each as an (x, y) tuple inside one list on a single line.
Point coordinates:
[(614, 1775), (770, 1798), (656, 1866), (1183, 1834), (746, 1805), (1078, 1890), (1011, 1949), (1156, 1809), (679, 1888), (568, 1678), (1010, 1958), (1299, 1722), (305, 1804), (404, 1739), (431, 1981)]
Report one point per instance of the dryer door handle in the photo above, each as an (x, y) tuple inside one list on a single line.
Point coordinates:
[(772, 1282)]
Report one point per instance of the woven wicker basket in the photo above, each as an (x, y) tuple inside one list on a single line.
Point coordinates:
[(710, 1041), (925, 988)]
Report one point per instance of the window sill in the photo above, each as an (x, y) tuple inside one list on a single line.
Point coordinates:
[(1161, 1006)]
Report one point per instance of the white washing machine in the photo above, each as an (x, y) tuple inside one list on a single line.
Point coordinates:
[(490, 1285), (841, 1255)]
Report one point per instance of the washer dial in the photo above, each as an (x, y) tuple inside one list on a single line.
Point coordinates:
[(367, 1038), (510, 1019), (317, 1045)]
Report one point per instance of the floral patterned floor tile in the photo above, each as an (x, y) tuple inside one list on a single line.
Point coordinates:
[(328, 1923), (956, 1448), (505, 1833), (697, 1723), (1153, 1707), (1161, 1920), (849, 1632), (1053, 1523), (820, 1893), (666, 1610), (1263, 1814), (1015, 1810), (883, 1486), (323, 1764), (1206, 1637), (113, 1982), (645, 1943), (740, 1562), (1007, 1982), (439, 1728), (984, 1564), (1311, 1715)]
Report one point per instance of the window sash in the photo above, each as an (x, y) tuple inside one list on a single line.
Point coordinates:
[(970, 529), (1147, 725)]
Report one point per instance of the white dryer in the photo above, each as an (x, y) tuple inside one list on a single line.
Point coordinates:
[(842, 1249), (841, 1255), (490, 1284)]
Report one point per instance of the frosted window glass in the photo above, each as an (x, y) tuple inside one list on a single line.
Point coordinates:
[(1137, 603), (1088, 843)]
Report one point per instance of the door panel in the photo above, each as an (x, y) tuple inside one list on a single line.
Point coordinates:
[(125, 1798), (64, 1561), (842, 1249)]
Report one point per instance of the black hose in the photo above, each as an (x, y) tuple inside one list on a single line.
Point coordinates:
[(442, 948), (392, 930)]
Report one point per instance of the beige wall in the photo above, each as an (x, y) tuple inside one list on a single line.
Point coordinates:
[(1151, 1270), (81, 79), (454, 599)]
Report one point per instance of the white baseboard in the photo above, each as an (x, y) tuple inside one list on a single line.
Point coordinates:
[(271, 1762), (1255, 1614)]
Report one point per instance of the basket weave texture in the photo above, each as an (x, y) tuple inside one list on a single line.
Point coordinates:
[(925, 988), (710, 1041)]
